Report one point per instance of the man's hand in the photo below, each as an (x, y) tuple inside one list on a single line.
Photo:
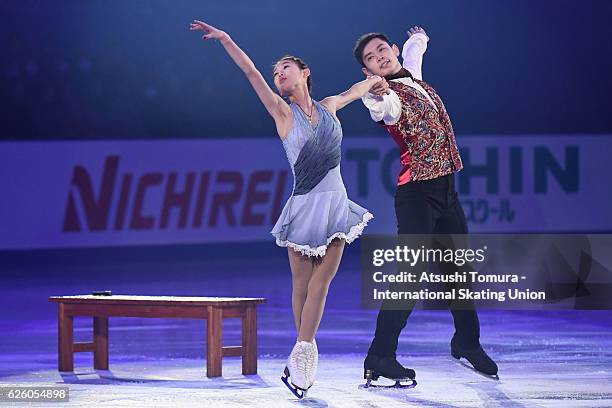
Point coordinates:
[(415, 30), (380, 88)]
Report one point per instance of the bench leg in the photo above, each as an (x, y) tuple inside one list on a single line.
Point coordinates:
[(214, 334), (65, 341), (249, 341), (100, 325)]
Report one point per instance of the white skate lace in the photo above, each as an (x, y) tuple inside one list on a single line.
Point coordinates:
[(299, 362), (301, 359), (309, 352)]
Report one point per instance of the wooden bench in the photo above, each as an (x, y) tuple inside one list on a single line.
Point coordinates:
[(213, 309)]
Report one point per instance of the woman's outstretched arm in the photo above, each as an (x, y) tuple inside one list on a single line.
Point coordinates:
[(275, 105), (373, 84)]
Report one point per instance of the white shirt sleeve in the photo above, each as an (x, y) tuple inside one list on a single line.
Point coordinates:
[(412, 54), (387, 108)]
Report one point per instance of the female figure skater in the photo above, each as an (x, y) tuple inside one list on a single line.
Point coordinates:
[(318, 218)]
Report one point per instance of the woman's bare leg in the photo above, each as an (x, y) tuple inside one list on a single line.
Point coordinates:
[(322, 275), (301, 271)]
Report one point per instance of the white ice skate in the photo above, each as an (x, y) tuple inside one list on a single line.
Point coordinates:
[(298, 375)]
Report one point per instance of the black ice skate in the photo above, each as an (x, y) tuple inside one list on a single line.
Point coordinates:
[(387, 367), (478, 358)]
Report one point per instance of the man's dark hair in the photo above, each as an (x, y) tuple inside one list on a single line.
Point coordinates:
[(363, 41)]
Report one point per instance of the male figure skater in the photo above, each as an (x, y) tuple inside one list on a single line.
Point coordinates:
[(425, 200)]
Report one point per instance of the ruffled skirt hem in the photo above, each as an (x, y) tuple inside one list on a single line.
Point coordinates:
[(354, 232)]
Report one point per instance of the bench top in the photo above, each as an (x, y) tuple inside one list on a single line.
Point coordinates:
[(135, 300)]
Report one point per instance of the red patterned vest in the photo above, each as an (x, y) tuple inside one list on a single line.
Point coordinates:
[(426, 138)]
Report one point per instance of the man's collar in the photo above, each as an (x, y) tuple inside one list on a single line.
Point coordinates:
[(402, 73)]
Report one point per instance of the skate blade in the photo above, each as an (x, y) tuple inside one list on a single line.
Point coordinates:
[(297, 391), (398, 384), (469, 366)]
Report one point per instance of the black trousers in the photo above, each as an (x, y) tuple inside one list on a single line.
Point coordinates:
[(426, 207)]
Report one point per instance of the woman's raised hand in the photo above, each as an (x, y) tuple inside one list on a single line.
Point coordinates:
[(211, 32)]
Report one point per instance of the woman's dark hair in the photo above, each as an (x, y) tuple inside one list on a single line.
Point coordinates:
[(363, 41), (301, 64)]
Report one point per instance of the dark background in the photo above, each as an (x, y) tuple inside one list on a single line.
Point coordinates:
[(131, 69)]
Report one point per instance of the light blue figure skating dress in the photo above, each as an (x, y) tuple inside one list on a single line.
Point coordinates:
[(318, 210)]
